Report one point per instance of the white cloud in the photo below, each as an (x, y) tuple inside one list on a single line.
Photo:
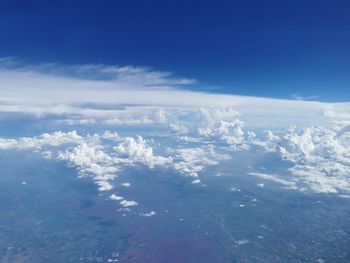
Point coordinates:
[(220, 124), (212, 124), (191, 161), (320, 157), (136, 150), (235, 189), (242, 242), (274, 178), (178, 128), (104, 186), (90, 157), (56, 89), (126, 203), (78, 121), (134, 116), (150, 214), (126, 184), (54, 139), (268, 141), (82, 152), (115, 197), (144, 121), (87, 158), (90, 160), (112, 136)]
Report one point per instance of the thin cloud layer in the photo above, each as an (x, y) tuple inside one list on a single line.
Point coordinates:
[(93, 93)]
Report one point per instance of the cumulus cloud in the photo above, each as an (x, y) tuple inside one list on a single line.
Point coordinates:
[(178, 128), (126, 203), (320, 157), (46, 139), (191, 161), (112, 136), (104, 185), (115, 197), (90, 156), (222, 124), (268, 141), (81, 152), (136, 150), (212, 124), (92, 161), (150, 214)]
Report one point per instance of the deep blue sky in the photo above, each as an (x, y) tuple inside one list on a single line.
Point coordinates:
[(251, 47)]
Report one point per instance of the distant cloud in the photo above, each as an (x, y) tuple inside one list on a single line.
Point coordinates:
[(320, 158), (104, 186), (92, 161), (242, 242), (126, 203), (78, 121), (149, 214), (115, 197), (300, 97), (191, 161), (136, 150), (44, 140)]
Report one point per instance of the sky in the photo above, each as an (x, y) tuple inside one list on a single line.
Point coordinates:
[(279, 49), (241, 100)]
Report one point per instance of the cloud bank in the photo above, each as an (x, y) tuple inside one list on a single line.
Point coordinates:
[(172, 127), (98, 91)]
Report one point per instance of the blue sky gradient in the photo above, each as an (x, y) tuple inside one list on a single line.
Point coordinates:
[(284, 49), (175, 131)]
